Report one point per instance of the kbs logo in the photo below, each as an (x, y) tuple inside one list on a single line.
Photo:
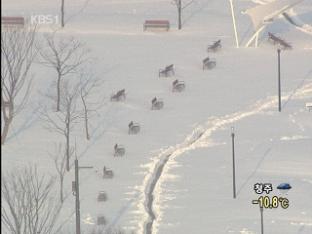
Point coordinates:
[(44, 19)]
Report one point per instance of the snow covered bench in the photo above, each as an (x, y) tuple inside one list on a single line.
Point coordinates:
[(107, 173), (156, 24), (168, 71), (309, 106), (215, 47), (119, 96), (102, 196), (119, 150), (157, 104), (134, 128), (101, 220), (178, 86), (9, 21), (209, 63)]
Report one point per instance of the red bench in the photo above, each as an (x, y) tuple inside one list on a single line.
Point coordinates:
[(156, 24), (12, 21)]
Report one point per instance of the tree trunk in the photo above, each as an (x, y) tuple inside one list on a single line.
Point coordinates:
[(62, 13), (67, 147), (7, 112), (58, 91), (86, 126), (62, 188), (5, 130), (86, 117)]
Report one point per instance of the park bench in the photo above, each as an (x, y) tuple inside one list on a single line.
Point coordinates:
[(9, 21), (101, 220), (309, 106), (156, 24), (276, 40), (178, 86), (215, 47), (167, 71), (119, 96), (102, 196), (119, 150), (157, 104), (209, 63), (107, 173), (134, 128)]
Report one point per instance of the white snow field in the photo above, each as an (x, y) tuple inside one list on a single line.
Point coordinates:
[(182, 157)]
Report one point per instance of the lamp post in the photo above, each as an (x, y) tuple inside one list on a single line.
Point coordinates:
[(179, 4), (76, 194), (233, 161), (279, 79), (261, 217), (77, 204)]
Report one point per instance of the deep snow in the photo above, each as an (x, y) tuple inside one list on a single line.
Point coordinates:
[(193, 194)]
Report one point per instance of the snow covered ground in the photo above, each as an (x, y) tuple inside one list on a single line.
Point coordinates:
[(193, 194)]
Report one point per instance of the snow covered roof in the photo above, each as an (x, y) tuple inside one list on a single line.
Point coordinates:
[(263, 14)]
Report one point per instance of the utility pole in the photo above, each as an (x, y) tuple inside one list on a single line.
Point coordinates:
[(76, 194), (181, 7), (279, 79), (233, 158), (180, 14), (62, 13), (78, 231), (261, 217)]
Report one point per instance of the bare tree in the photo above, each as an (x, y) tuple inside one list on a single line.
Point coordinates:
[(28, 205), (180, 8), (64, 121), (87, 85), (59, 159), (110, 231), (64, 55), (17, 56)]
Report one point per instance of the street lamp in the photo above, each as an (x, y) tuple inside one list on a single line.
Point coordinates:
[(233, 158), (261, 218)]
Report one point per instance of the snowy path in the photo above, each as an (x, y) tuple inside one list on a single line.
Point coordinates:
[(200, 137)]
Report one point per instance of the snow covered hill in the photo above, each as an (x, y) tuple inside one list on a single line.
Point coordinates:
[(178, 168)]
